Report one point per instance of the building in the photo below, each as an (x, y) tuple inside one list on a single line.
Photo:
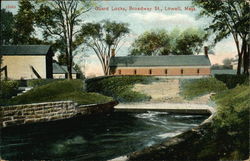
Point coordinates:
[(26, 62), (60, 71), (172, 65)]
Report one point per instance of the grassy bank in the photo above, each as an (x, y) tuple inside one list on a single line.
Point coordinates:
[(198, 87), (59, 91), (119, 87)]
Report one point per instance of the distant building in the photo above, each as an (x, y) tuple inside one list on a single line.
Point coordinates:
[(173, 65), (60, 71), (27, 61)]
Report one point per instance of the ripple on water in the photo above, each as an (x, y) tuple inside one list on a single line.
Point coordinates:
[(93, 138)]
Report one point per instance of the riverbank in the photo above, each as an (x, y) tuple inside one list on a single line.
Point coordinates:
[(219, 138), (50, 111)]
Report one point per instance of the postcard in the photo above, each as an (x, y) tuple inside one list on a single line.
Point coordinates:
[(124, 80)]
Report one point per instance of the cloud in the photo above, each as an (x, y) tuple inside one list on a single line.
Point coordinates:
[(175, 19)]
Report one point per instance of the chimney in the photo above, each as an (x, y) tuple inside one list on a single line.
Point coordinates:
[(113, 52), (206, 51)]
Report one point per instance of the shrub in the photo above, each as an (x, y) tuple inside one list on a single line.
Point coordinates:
[(39, 82), (232, 120), (8, 89), (119, 87), (198, 87), (232, 81), (60, 91)]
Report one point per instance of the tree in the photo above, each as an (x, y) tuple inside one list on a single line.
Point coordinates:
[(155, 42), (24, 23), (229, 17), (104, 38), (7, 24), (189, 42), (59, 20), (62, 59), (159, 42), (227, 63)]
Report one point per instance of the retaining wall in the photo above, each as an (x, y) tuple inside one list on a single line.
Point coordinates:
[(49, 111)]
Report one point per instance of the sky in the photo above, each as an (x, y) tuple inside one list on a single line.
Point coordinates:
[(143, 16)]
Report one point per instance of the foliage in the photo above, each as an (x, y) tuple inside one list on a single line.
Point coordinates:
[(7, 24), (39, 82), (156, 42), (119, 87), (232, 81), (198, 87), (59, 20), (24, 23), (104, 38), (62, 59), (8, 89), (79, 71), (232, 120), (227, 62), (219, 67), (160, 42), (60, 91), (189, 42), (229, 17)]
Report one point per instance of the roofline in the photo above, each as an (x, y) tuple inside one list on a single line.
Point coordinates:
[(167, 66)]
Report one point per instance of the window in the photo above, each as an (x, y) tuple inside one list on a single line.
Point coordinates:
[(181, 71), (166, 71), (135, 72), (119, 72), (198, 71), (150, 71)]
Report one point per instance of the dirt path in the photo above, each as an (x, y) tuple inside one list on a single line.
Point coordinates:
[(167, 90)]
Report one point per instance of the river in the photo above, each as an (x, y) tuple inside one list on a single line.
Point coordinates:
[(93, 137)]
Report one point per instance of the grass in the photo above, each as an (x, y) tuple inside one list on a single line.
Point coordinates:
[(231, 124), (60, 91), (227, 139), (120, 87), (198, 87)]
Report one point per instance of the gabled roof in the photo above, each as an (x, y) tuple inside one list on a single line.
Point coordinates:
[(61, 69), (24, 49), (57, 69), (66, 69), (170, 60)]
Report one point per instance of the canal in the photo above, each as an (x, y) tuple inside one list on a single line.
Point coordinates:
[(93, 137)]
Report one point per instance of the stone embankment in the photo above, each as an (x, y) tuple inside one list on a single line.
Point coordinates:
[(180, 108), (49, 111)]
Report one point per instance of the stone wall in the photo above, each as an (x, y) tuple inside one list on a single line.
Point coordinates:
[(48, 111)]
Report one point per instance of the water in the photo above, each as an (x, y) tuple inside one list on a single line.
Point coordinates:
[(93, 138)]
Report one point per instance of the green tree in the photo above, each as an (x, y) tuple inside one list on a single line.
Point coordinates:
[(59, 20), (104, 38), (24, 23), (229, 17), (62, 59), (155, 42), (7, 24), (159, 42), (189, 42), (227, 63)]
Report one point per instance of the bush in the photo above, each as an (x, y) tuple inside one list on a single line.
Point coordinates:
[(60, 91), (232, 120), (232, 81), (199, 87), (119, 87), (8, 89), (39, 82)]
